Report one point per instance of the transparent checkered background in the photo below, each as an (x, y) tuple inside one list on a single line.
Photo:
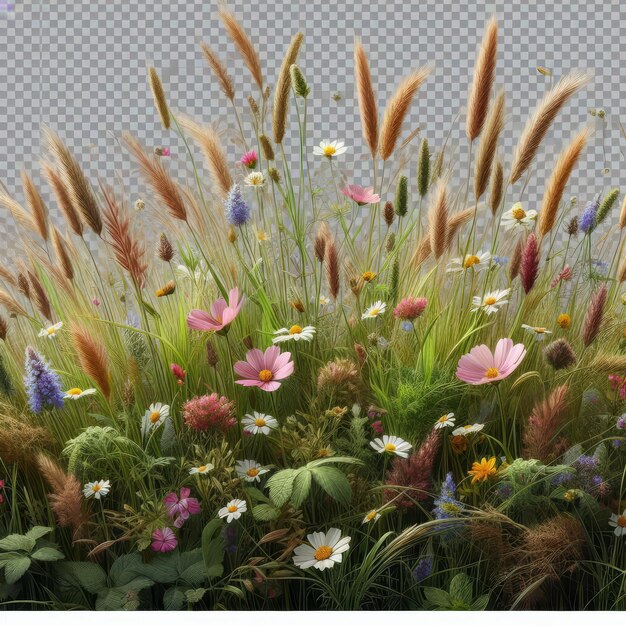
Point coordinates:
[(80, 68)]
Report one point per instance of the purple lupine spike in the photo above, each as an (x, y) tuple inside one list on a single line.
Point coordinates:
[(588, 218), (236, 210), (43, 386)]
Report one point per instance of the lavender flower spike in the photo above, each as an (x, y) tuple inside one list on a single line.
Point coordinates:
[(42, 384), (235, 207), (588, 218)]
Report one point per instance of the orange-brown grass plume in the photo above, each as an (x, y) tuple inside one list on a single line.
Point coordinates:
[(422, 250), (488, 144), (19, 439), (6, 275), (556, 185), (622, 215), (79, 190), (4, 328), (438, 220), (11, 304), (39, 296), (319, 246), (283, 86), (594, 315), (36, 205), (129, 252), (484, 74), (396, 110), (211, 146), (63, 199), (62, 255), (544, 423), (331, 263), (608, 363), (92, 357), (368, 109), (157, 176), (455, 222), (496, 188), (66, 498), (160, 103), (220, 71), (541, 120), (19, 213), (244, 45)]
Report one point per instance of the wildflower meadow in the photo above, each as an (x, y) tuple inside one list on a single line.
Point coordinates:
[(309, 392)]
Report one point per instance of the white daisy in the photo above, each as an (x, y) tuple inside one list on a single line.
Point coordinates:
[(445, 421), (372, 312), (201, 469), (516, 217), (372, 516), (295, 332), (325, 550), (51, 331), (329, 149), (619, 523), (468, 429), (324, 300), (75, 393), (491, 302), (256, 423), (250, 470), (255, 179), (97, 489), (233, 510), (392, 445), (476, 262), (156, 414), (539, 332)]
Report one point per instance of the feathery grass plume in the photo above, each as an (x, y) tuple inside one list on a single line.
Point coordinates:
[(66, 498), (389, 213), (547, 417), (19, 213), (157, 176), (79, 190), (160, 103), (422, 250), (11, 304), (127, 250), (92, 357), (331, 263), (281, 93), (23, 285), (219, 70), (396, 110), (164, 251), (572, 227), (488, 144), (254, 108), (607, 363), (390, 242), (559, 354), (401, 202), (556, 185), (62, 255), (484, 74), (7, 276), (19, 439), (339, 382), (211, 146), (455, 222), (529, 264), (594, 315), (368, 109), (298, 82), (36, 205), (497, 184), (606, 205), (39, 296), (621, 274), (243, 44), (4, 329), (266, 146), (438, 220), (63, 199), (319, 245), (541, 120), (622, 215), (423, 168)]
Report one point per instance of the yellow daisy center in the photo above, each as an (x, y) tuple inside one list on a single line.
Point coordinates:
[(470, 261), (442, 419), (265, 376), (231, 508), (259, 421), (252, 472), (540, 330), (368, 276), (323, 553), (374, 312), (468, 427), (51, 330), (370, 516), (518, 213), (492, 372), (96, 488), (202, 468), (295, 330), (74, 391), (155, 416), (390, 447), (621, 521), (329, 150), (490, 300)]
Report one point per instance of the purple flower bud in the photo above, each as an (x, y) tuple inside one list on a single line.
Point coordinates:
[(235, 207), (42, 384)]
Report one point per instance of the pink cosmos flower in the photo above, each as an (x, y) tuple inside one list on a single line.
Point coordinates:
[(264, 369), (482, 366), (181, 508), (163, 540), (361, 195), (410, 308), (249, 159), (221, 315)]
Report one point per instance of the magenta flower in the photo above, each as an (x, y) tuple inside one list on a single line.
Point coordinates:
[(361, 195), (249, 159), (181, 508), (264, 369), (410, 308), (482, 366), (221, 316), (179, 373), (163, 540)]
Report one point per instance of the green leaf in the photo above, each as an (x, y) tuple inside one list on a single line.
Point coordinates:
[(15, 568), (256, 495), (334, 482), (265, 512), (126, 568), (195, 595), (333, 459), (17, 542), (480, 604), (37, 532), (281, 485), (301, 487), (438, 597), (461, 588), (47, 554), (173, 599), (82, 575), (213, 548)]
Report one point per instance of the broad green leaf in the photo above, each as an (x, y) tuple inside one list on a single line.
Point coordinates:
[(16, 568), (173, 599), (126, 568), (84, 575), (195, 595), (37, 532), (301, 487), (438, 597), (265, 512), (17, 542), (213, 548), (47, 554), (334, 482), (461, 588), (281, 485)]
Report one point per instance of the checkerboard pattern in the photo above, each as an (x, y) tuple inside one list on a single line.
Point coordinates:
[(80, 67)]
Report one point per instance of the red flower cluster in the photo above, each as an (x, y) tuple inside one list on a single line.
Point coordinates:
[(212, 412)]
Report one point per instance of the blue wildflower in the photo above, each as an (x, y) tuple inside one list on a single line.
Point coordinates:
[(446, 505), (500, 260), (43, 386), (423, 569), (407, 326), (235, 207), (588, 218)]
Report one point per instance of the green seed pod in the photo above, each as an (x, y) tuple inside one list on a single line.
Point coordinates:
[(401, 203), (423, 168), (606, 206), (298, 82)]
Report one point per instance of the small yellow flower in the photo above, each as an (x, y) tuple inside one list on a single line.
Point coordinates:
[(483, 470), (564, 320), (368, 276), (167, 290), (262, 236)]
